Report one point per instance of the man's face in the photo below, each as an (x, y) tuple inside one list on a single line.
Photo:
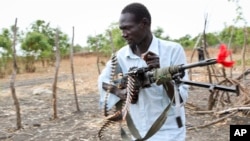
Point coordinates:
[(132, 31)]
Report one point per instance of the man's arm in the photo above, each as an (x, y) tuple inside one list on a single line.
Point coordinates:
[(105, 77)]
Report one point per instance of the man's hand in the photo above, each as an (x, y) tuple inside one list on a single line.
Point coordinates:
[(152, 59), (121, 93)]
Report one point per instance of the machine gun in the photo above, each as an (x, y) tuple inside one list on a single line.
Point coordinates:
[(145, 77)]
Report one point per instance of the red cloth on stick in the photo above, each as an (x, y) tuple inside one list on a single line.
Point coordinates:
[(222, 55)]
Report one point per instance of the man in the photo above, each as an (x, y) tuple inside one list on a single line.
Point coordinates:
[(145, 50)]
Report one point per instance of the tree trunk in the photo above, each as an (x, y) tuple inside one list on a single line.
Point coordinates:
[(243, 52), (230, 55), (98, 58), (12, 81), (192, 55), (72, 71), (111, 41)]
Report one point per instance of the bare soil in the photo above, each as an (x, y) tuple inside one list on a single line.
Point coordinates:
[(36, 108)]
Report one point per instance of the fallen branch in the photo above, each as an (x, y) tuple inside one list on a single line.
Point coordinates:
[(192, 106), (6, 137), (203, 112), (233, 109), (243, 74), (213, 122)]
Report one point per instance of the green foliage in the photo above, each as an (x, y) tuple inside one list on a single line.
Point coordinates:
[(104, 42), (41, 39), (35, 42), (186, 41), (247, 62), (212, 39), (5, 51), (237, 36), (39, 43), (64, 44), (116, 34), (96, 42), (5, 41), (158, 33), (77, 48)]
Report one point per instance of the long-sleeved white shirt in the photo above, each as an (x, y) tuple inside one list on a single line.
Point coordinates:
[(153, 100)]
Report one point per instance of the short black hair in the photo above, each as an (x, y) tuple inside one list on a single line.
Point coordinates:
[(139, 10)]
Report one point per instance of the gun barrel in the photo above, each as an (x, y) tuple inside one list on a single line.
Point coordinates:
[(199, 64), (213, 86)]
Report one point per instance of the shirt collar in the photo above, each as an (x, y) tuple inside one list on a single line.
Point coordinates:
[(153, 48)]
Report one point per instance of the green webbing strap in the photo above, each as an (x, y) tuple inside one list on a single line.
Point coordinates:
[(124, 136), (154, 128), (131, 126)]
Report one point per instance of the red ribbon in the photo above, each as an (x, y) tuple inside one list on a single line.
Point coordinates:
[(222, 55)]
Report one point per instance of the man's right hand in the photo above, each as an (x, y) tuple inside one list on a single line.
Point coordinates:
[(121, 93)]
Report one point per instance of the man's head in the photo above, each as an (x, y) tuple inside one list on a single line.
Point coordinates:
[(135, 22)]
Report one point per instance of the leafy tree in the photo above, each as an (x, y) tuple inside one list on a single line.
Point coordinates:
[(5, 50), (93, 42), (212, 39), (158, 33), (104, 42), (77, 48), (186, 41), (45, 35), (237, 38), (35, 42), (5, 41), (115, 35), (44, 28)]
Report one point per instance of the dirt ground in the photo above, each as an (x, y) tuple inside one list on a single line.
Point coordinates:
[(34, 91)]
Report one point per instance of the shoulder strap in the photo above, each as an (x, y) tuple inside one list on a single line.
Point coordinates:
[(153, 129)]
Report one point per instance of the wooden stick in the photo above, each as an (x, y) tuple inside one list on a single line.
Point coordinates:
[(12, 80), (54, 87), (72, 70), (233, 109), (213, 122)]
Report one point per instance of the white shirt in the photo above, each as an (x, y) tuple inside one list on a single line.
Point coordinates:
[(153, 100)]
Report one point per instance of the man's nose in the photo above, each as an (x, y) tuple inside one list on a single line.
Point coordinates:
[(124, 34)]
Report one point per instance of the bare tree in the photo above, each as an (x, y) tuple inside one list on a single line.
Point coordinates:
[(192, 55), (229, 46), (239, 17), (72, 70), (111, 41), (98, 58), (54, 87), (243, 52), (205, 52), (13, 77)]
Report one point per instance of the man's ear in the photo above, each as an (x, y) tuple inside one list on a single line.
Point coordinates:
[(145, 21)]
